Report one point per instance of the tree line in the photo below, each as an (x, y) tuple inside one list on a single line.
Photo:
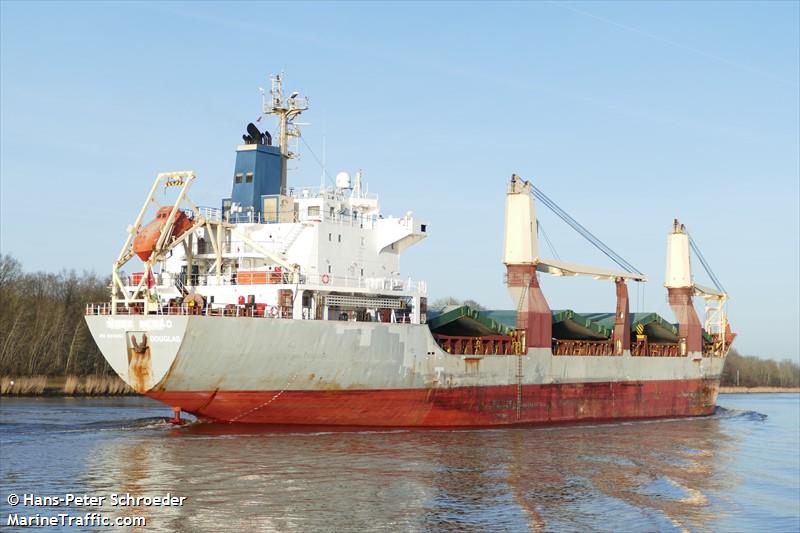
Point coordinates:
[(42, 330), (43, 333), (749, 371)]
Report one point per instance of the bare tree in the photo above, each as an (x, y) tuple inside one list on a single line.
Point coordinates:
[(42, 330)]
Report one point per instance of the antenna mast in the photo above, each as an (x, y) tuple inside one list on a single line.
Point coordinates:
[(324, 162), (286, 111)]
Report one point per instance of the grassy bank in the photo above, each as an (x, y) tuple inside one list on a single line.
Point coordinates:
[(63, 386), (739, 390)]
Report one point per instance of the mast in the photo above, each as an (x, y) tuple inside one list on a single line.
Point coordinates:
[(286, 111)]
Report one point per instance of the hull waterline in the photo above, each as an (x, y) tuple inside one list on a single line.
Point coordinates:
[(460, 407)]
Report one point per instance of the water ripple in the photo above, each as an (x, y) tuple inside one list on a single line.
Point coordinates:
[(710, 473)]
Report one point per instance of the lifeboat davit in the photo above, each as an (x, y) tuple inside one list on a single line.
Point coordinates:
[(147, 237)]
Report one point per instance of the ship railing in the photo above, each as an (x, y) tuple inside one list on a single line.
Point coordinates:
[(234, 310), (277, 277), (345, 219), (371, 284), (103, 308), (231, 310), (582, 347), (655, 349), (349, 219), (259, 277), (106, 308), (248, 217), (327, 192), (638, 349), (212, 214), (484, 345), (260, 310)]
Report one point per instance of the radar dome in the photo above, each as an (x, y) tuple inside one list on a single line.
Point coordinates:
[(343, 180)]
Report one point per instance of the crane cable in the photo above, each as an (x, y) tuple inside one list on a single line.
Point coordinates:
[(552, 248), (703, 262), (597, 243)]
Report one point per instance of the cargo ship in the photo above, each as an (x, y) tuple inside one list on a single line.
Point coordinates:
[(285, 305)]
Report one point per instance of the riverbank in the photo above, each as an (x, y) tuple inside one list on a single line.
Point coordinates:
[(64, 386), (756, 390)]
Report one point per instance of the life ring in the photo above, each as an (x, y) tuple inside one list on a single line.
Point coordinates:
[(325, 279), (273, 311)]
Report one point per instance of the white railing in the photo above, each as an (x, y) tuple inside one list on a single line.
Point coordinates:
[(249, 217), (98, 309), (359, 220), (286, 278), (102, 309), (212, 214), (328, 192), (371, 284)]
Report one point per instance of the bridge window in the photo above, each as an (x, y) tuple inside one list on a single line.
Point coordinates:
[(238, 178), (248, 178)]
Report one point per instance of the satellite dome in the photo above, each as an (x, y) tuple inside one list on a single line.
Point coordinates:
[(342, 180)]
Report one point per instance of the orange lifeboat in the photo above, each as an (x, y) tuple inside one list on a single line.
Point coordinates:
[(147, 237)]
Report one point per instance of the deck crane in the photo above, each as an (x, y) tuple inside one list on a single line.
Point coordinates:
[(681, 287), (522, 260)]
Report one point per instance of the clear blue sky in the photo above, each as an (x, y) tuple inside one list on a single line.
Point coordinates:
[(627, 114)]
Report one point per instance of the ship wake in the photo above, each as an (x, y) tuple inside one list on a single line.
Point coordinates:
[(726, 413)]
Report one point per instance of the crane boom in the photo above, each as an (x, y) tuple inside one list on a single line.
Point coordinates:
[(564, 268)]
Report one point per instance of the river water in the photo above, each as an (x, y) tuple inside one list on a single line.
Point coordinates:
[(738, 470)]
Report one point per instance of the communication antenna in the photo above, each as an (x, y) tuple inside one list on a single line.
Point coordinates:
[(286, 110), (324, 163), (357, 188)]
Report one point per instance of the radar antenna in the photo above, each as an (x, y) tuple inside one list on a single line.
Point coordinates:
[(286, 110)]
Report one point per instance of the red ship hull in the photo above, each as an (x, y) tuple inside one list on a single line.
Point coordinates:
[(454, 407)]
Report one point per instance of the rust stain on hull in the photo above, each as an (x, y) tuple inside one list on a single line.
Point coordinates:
[(139, 362)]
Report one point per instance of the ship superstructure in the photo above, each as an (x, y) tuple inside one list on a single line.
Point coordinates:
[(286, 305), (271, 250)]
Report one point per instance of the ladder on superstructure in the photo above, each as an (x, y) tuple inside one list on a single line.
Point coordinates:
[(291, 237)]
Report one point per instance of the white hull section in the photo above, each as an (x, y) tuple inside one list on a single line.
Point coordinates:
[(199, 353)]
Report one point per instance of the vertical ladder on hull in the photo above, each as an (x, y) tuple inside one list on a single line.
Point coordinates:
[(522, 350), (519, 386)]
